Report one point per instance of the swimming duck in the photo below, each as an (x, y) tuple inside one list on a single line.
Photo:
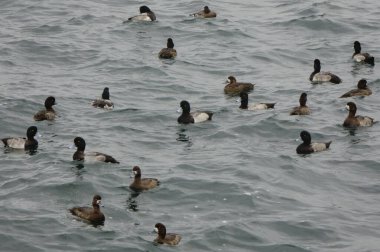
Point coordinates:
[(145, 15), (163, 237), (141, 184), (80, 155), (48, 113), (318, 77), (257, 106), (105, 102), (234, 87), (356, 121), (205, 13), (362, 57), (169, 52), (362, 90), (302, 109), (28, 143), (91, 214), (307, 147), (194, 117)]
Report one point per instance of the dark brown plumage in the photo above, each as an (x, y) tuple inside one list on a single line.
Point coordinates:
[(48, 113), (302, 109), (234, 88), (165, 238), (142, 184), (205, 13), (356, 121), (169, 52), (362, 90), (91, 214)]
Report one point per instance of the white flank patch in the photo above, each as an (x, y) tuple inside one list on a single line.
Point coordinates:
[(200, 117), (359, 58), (258, 106), (318, 147), (142, 17), (16, 143), (322, 77)]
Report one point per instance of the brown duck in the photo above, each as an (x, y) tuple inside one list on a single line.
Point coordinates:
[(234, 88)]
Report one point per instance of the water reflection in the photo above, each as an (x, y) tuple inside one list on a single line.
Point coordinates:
[(182, 137), (132, 203), (361, 68)]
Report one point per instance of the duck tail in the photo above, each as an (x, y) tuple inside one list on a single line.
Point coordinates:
[(370, 60), (328, 144)]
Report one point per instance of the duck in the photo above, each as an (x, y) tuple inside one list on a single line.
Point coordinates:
[(142, 184), (145, 15), (257, 106), (28, 143), (90, 214), (233, 87), (307, 147), (362, 57), (362, 90), (205, 13), (80, 155), (169, 52), (48, 113), (318, 77), (356, 121), (302, 109), (105, 102), (194, 117), (165, 238)]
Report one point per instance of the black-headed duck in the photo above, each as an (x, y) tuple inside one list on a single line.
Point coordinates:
[(169, 52), (308, 147), (141, 184), (319, 77), (192, 117), (257, 106), (302, 109), (91, 214), (145, 15), (28, 143), (80, 155), (105, 102), (48, 113), (362, 90), (356, 121), (165, 238), (358, 56)]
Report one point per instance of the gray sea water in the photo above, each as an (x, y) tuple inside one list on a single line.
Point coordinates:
[(232, 184)]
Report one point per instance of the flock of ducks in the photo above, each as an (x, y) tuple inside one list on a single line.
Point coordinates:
[(95, 216)]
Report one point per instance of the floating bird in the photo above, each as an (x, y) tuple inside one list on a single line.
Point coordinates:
[(362, 57), (193, 117), (163, 237), (91, 214), (318, 77), (80, 155), (356, 121), (48, 113), (307, 147)]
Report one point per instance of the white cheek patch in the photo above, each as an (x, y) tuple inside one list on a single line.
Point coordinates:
[(179, 110), (134, 172), (156, 230), (98, 202), (347, 107)]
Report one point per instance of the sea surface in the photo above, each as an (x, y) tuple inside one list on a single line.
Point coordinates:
[(231, 184)]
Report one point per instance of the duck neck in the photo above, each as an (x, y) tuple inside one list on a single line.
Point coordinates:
[(244, 104)]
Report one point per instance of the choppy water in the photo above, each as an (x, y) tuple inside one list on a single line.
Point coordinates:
[(232, 184)]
